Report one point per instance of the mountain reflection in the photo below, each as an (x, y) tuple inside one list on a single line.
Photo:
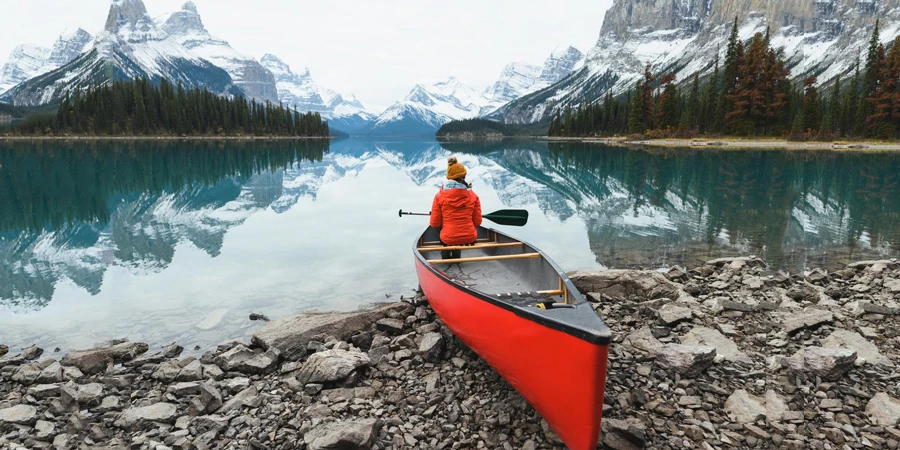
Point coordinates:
[(70, 211), (657, 207)]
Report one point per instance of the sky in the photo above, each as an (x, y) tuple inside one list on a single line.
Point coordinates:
[(377, 50)]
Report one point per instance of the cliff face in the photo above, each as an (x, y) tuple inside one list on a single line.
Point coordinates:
[(815, 37)]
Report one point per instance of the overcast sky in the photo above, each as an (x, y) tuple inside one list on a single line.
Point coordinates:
[(375, 49)]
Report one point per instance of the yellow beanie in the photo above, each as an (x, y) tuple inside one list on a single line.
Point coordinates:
[(455, 169)]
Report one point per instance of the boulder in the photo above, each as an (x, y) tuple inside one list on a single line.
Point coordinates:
[(392, 326), (643, 340), (345, 435), (809, 317), (32, 352), (712, 338), (247, 397), (828, 363), (96, 360), (740, 261), (244, 360), (686, 360), (331, 365), (854, 341), (627, 434), (19, 414), (859, 265), (211, 397), (884, 410), (4, 349), (290, 335), (672, 313), (741, 407), (157, 412), (620, 285), (431, 346)]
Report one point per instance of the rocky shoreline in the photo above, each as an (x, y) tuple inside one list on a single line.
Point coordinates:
[(725, 355)]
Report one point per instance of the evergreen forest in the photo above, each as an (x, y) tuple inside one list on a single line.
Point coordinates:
[(751, 94), (140, 108)]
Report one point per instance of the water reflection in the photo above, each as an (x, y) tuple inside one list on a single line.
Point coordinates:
[(180, 241)]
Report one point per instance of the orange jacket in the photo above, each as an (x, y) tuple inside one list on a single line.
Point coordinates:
[(456, 211)]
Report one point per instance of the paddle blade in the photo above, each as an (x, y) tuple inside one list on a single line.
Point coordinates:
[(511, 217)]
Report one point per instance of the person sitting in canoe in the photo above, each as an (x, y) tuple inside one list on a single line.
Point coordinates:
[(456, 210)]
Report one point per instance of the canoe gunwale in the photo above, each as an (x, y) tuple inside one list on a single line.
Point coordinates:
[(601, 337)]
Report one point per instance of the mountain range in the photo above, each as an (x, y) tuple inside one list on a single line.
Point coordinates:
[(178, 46), (814, 37), (684, 37)]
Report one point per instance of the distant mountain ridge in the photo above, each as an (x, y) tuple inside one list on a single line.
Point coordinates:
[(176, 46), (815, 37)]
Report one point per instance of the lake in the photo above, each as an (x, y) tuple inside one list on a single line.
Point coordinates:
[(180, 241)]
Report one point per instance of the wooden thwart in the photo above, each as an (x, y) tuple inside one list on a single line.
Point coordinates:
[(469, 247), (484, 258)]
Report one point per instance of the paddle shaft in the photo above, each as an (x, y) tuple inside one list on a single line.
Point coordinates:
[(512, 217)]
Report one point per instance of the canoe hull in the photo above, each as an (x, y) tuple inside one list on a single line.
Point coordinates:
[(561, 376)]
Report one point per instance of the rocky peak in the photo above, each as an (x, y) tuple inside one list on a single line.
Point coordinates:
[(187, 21), (282, 70), (129, 20), (560, 64), (69, 46)]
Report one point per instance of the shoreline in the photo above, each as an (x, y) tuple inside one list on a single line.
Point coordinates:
[(763, 361), (737, 144), (161, 138)]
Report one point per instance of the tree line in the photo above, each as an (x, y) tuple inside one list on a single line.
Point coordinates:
[(751, 95), (141, 107)]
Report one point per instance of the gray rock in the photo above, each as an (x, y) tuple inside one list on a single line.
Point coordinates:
[(4, 349), (671, 313), (96, 360), (157, 412), (686, 360), (741, 407), (807, 318), (89, 395), (859, 265), (623, 285), (244, 360), (51, 374), (627, 434), (393, 326), (42, 391), (331, 365), (211, 397), (44, 430), (776, 407), (828, 363), (724, 347), (32, 352), (247, 397), (349, 435), (884, 410), (167, 371), (431, 346), (172, 351), (854, 341), (19, 414), (236, 384), (185, 388), (27, 373), (643, 340), (193, 371), (290, 335)]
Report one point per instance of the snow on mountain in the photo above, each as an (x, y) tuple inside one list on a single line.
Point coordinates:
[(130, 45), (186, 27), (427, 107), (298, 90), (28, 61), (815, 37), (521, 78)]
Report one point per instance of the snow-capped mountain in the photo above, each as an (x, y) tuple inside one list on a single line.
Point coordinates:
[(130, 45), (28, 61), (299, 91), (427, 107), (815, 37), (186, 27), (521, 78)]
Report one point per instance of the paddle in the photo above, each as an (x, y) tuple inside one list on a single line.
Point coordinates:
[(511, 217)]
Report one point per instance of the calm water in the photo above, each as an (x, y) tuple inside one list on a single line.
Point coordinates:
[(166, 242)]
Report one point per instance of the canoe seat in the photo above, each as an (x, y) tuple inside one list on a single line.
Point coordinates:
[(484, 258), (439, 248)]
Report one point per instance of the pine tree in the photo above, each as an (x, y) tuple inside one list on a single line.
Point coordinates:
[(811, 105)]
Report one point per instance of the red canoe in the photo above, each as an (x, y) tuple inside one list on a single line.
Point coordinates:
[(519, 311)]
